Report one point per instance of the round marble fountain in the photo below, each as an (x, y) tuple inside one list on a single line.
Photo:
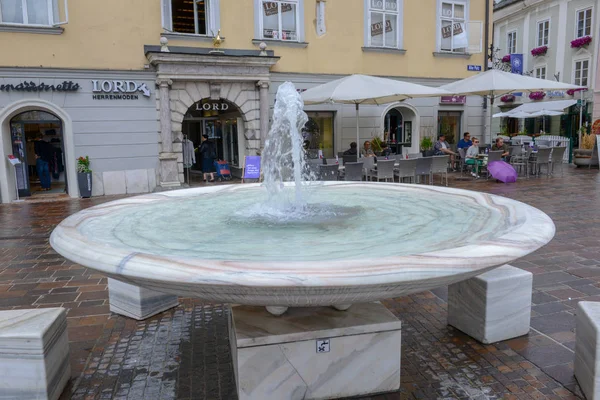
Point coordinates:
[(357, 242)]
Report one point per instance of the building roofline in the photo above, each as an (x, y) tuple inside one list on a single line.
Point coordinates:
[(505, 3)]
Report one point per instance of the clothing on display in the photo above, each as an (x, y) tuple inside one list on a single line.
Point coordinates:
[(189, 156)]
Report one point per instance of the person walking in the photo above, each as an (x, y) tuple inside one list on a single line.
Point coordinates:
[(43, 151), (209, 154)]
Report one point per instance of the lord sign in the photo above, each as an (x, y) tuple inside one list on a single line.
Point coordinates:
[(119, 90), (252, 167)]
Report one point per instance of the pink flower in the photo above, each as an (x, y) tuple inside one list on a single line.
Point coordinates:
[(506, 58), (537, 95), (507, 98), (539, 51), (580, 42)]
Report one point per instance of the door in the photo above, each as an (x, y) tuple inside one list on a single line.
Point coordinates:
[(449, 125), (17, 132)]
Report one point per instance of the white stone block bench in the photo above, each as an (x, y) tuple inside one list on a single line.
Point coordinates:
[(137, 302), (493, 306), (587, 369), (315, 353), (34, 353)]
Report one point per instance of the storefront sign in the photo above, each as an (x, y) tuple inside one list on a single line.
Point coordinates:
[(377, 28), (119, 90), (252, 167), (453, 100), (555, 93), (452, 30), (66, 86), (212, 106), (274, 34), (271, 8)]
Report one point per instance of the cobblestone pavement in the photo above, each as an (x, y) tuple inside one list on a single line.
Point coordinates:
[(184, 353)]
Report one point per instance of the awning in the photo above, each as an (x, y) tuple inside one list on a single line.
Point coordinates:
[(557, 105)]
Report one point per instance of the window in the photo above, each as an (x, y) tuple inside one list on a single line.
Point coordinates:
[(31, 12), (540, 72), (383, 29), (192, 17), (543, 33), (581, 72), (279, 20), (511, 42), (584, 22), (453, 29)]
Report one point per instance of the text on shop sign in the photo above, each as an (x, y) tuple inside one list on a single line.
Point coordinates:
[(119, 90), (66, 86), (212, 107)]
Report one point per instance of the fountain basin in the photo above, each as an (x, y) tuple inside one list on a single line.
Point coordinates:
[(396, 239)]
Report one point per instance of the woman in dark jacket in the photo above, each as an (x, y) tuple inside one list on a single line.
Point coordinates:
[(209, 154)]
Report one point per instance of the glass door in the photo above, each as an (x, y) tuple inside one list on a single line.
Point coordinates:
[(449, 125), (17, 132)]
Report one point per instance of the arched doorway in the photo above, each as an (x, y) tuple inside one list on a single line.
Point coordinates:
[(221, 121), (36, 138), (401, 127)]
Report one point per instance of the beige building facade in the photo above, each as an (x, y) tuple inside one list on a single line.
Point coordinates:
[(130, 84)]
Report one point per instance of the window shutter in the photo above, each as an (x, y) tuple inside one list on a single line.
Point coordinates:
[(56, 13), (475, 29), (167, 19)]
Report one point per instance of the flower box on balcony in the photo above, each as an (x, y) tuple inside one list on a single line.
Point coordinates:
[(571, 92), (506, 58), (507, 98), (580, 42), (539, 51), (535, 96)]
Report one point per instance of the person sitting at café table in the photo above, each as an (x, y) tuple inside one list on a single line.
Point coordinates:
[(472, 158), (352, 150), (465, 142), (366, 151), (385, 150), (500, 145), (442, 148)]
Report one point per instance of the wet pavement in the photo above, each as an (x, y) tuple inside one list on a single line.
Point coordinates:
[(183, 353)]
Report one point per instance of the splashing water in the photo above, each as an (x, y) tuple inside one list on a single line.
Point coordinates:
[(283, 154), (283, 161)]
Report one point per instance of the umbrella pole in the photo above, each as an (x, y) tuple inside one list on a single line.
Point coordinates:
[(357, 135), (491, 114)]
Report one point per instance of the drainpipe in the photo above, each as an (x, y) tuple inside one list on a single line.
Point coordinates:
[(486, 46)]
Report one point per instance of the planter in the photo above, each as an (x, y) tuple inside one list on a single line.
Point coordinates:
[(582, 157), (539, 51), (84, 180), (427, 153), (581, 42)]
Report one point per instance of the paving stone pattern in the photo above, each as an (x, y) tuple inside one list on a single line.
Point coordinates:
[(183, 353)]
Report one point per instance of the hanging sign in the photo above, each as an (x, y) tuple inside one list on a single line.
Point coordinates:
[(252, 167), (377, 28), (66, 86), (452, 30), (271, 8)]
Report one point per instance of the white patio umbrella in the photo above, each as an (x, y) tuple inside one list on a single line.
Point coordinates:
[(364, 89), (494, 83)]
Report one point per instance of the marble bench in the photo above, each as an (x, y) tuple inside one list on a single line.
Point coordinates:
[(587, 346), (493, 306), (34, 353), (137, 302)]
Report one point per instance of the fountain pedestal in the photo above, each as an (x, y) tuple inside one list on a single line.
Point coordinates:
[(137, 302), (315, 353)]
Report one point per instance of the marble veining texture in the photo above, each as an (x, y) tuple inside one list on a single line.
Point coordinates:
[(34, 353), (519, 229), (357, 364), (256, 327), (587, 348), (137, 302), (493, 306)]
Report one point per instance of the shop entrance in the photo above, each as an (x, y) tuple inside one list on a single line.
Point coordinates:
[(219, 121), (37, 140), (449, 125)]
